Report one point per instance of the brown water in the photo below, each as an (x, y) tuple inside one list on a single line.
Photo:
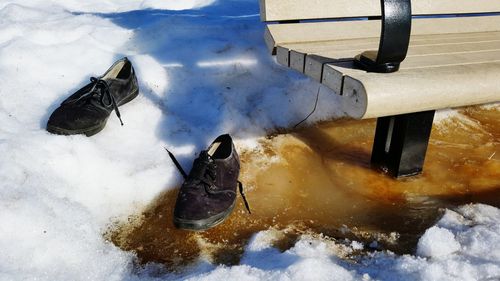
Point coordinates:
[(318, 180)]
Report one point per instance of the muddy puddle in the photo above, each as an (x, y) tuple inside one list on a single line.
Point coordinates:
[(318, 180)]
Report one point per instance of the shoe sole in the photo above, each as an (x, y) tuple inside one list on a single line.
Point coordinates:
[(91, 130), (204, 224)]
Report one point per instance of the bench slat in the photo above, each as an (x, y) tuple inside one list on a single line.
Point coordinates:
[(283, 10), (310, 62), (368, 95), (418, 56), (282, 34), (416, 40), (430, 70), (333, 73), (415, 48)]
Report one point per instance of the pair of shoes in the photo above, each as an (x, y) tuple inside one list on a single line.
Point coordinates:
[(208, 194), (87, 110)]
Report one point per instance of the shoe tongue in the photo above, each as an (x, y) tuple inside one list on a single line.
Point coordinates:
[(200, 165), (204, 156)]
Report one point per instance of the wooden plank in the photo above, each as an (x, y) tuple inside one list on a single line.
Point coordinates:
[(413, 51), (333, 78), (297, 60), (314, 66), (283, 56), (324, 31), (443, 43), (282, 10), (283, 34), (437, 54), (269, 40), (334, 73), (370, 95), (458, 58), (415, 40)]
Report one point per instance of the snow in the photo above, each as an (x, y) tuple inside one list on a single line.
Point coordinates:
[(203, 71), (437, 242), (113, 6), (465, 246)]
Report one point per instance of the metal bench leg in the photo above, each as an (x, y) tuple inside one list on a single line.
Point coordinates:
[(401, 143)]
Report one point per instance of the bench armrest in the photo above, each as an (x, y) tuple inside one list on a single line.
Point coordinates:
[(394, 39)]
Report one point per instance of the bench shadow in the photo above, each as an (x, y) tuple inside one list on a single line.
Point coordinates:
[(489, 197), (329, 148), (222, 81)]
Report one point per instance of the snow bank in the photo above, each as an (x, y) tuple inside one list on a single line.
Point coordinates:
[(58, 194), (464, 245), (437, 242)]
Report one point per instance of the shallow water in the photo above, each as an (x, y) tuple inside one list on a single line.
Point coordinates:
[(318, 180)]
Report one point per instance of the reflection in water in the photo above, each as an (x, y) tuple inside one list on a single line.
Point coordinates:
[(318, 180)]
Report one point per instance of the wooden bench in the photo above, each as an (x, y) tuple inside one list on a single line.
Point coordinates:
[(363, 51)]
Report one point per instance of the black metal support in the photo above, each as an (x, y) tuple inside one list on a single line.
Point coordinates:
[(401, 143), (394, 39)]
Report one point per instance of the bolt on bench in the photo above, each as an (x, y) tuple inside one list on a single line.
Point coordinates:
[(363, 51)]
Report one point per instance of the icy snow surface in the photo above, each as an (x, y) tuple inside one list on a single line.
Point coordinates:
[(203, 70)]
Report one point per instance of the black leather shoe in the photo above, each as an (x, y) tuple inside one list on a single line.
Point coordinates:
[(87, 110), (208, 194)]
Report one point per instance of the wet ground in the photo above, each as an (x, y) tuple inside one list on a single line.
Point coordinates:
[(318, 180)]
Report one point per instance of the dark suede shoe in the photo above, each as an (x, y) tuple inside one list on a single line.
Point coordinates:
[(87, 110), (208, 194)]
